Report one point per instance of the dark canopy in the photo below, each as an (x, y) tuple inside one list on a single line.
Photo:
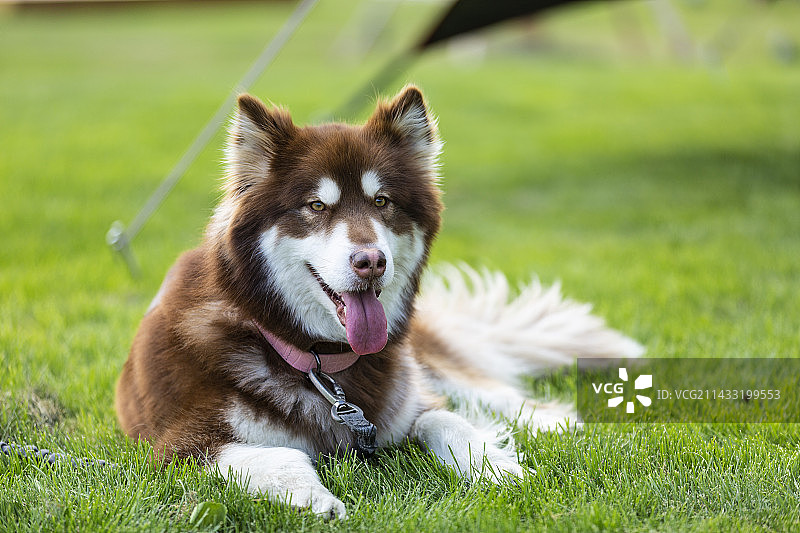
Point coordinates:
[(468, 15)]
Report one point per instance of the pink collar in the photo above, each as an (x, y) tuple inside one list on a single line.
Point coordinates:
[(304, 361)]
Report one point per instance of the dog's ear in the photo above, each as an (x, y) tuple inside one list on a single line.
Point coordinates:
[(407, 118), (256, 119), (254, 136)]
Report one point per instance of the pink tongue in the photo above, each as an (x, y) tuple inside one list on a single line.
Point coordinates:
[(365, 322)]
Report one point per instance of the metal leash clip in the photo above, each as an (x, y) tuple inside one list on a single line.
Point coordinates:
[(340, 410), (344, 412)]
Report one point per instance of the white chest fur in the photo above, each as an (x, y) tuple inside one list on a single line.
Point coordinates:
[(405, 400)]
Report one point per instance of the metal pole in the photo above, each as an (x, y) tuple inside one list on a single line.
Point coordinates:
[(119, 237)]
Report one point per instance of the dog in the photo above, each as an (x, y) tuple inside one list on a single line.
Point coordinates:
[(307, 283)]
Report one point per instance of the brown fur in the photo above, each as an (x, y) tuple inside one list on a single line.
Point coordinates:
[(202, 379), (197, 352)]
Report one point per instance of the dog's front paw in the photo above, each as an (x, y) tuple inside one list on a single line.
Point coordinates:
[(284, 475), (501, 470), (319, 500)]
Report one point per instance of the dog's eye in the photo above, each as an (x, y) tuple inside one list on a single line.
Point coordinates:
[(317, 206), (381, 201)]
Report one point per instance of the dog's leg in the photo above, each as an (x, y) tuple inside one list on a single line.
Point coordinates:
[(459, 444), (282, 474)]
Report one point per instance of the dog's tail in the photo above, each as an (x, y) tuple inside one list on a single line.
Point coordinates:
[(476, 340)]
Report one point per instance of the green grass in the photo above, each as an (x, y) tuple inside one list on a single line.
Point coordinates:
[(665, 192)]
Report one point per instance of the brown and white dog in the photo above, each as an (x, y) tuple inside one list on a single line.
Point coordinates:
[(320, 243)]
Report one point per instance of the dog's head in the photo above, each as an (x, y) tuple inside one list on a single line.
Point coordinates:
[(324, 230)]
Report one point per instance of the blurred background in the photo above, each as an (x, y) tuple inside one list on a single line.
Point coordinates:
[(645, 153)]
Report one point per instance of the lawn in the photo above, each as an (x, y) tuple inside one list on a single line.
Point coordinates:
[(664, 190)]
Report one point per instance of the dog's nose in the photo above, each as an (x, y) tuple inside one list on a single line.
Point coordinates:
[(368, 263)]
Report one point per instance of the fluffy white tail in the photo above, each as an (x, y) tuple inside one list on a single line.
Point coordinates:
[(493, 338)]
